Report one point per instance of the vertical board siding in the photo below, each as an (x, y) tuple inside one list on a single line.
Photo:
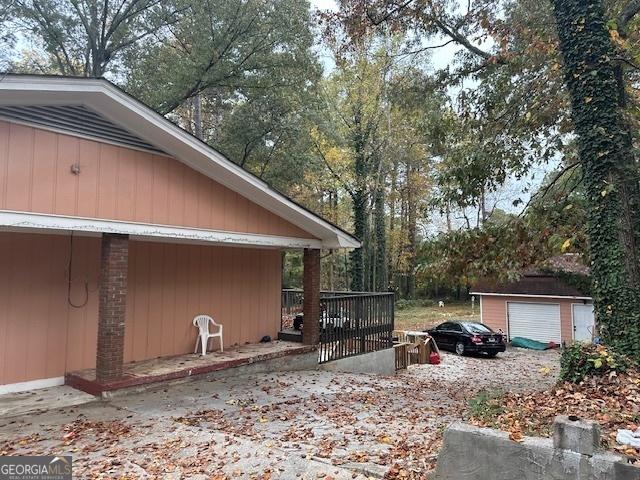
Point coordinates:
[(494, 312), (119, 183), (238, 287), (43, 336)]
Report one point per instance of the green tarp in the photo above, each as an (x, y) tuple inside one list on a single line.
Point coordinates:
[(528, 343)]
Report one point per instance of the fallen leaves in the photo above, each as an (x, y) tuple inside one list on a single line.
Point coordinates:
[(101, 431), (364, 423), (613, 401)]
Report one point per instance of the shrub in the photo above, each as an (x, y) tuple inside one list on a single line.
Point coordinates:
[(580, 360)]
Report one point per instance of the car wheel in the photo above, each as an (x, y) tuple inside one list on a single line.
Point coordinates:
[(460, 348), (491, 354)]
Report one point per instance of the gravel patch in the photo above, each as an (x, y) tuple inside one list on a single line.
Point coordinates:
[(517, 369)]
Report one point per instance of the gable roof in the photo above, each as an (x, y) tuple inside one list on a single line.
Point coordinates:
[(146, 125), (547, 279), (571, 263)]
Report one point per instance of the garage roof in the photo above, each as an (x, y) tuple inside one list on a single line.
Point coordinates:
[(534, 285), (545, 280), (140, 124)]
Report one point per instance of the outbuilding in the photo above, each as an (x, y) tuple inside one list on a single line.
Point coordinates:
[(548, 303)]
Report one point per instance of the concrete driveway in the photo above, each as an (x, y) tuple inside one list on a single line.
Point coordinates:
[(288, 425)]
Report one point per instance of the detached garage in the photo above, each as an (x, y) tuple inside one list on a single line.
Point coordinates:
[(547, 304)]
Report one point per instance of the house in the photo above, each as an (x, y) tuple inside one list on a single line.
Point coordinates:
[(549, 303), (117, 227)]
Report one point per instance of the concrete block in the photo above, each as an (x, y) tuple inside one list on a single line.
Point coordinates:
[(473, 453), (577, 435), (382, 362)]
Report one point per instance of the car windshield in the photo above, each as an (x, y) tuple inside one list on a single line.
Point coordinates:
[(477, 328)]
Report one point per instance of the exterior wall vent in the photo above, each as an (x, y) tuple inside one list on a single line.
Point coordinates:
[(75, 120)]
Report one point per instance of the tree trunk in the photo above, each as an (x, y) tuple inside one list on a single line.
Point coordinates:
[(360, 200), (360, 227), (382, 275), (412, 221), (392, 251), (483, 207), (629, 190), (605, 154)]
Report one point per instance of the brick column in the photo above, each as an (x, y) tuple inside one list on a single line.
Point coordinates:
[(114, 260), (311, 289)]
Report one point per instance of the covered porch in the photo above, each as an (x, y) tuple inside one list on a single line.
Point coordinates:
[(157, 370), (103, 311)]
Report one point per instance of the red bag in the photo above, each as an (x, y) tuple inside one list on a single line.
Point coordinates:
[(434, 358)]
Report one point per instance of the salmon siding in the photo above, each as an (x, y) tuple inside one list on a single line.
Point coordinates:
[(119, 183)]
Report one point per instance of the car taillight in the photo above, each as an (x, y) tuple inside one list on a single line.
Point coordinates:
[(476, 339)]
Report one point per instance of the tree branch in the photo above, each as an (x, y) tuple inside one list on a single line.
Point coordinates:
[(628, 12), (333, 172), (545, 190)]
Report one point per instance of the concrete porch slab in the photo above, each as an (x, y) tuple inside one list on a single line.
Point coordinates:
[(183, 366), (32, 401)]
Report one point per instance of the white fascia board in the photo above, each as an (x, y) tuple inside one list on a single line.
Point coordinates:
[(120, 108), (26, 221), (489, 294)]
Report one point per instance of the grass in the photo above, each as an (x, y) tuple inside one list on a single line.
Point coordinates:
[(420, 318), (486, 406)]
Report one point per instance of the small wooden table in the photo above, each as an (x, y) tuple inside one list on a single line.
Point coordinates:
[(415, 336)]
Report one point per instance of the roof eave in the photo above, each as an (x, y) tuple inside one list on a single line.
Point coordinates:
[(143, 121)]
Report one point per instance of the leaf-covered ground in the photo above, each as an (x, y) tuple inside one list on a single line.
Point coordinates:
[(289, 425), (612, 400)]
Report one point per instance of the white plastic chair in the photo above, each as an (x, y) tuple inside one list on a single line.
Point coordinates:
[(202, 322)]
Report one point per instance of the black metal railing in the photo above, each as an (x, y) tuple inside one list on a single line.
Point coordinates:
[(291, 301), (354, 324), (292, 298)]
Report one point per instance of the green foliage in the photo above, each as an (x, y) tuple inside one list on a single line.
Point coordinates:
[(486, 406), (495, 250), (242, 50), (581, 360), (553, 223), (377, 137), (83, 37)]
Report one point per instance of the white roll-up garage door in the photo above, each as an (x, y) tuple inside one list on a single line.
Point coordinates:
[(537, 321)]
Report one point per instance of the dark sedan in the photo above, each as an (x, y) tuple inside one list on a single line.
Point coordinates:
[(468, 337)]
